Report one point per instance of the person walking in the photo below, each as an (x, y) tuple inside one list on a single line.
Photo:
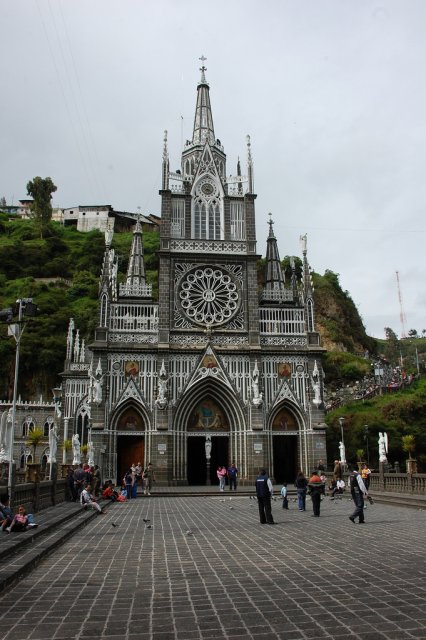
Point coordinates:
[(316, 489), (264, 491), (232, 477), (284, 497), (337, 471), (358, 491), (301, 485)]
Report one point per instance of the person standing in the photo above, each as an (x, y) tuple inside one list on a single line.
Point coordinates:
[(129, 480), (358, 491), (337, 471), (284, 497), (96, 480), (365, 475), (264, 491), (301, 485), (316, 489), (221, 474), (232, 477), (79, 480), (148, 478)]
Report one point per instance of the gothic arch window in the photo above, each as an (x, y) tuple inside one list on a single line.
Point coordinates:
[(310, 315), (104, 309), (47, 425), (207, 210), (83, 426), (27, 426)]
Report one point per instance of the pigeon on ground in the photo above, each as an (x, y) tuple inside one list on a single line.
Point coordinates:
[(189, 532), (231, 508), (146, 520), (113, 524), (149, 526)]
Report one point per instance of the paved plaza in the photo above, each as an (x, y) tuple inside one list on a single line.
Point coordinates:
[(230, 578)]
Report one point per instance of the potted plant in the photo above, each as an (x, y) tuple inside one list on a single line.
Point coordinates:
[(84, 449), (360, 453), (34, 438), (409, 445)]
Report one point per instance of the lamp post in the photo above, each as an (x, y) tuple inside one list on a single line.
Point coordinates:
[(343, 450), (367, 443), (24, 306)]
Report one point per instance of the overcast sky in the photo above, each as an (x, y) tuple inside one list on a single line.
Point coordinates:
[(332, 93)]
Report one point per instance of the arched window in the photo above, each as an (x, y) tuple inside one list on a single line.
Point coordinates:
[(83, 426), (47, 425), (207, 210), (104, 310), (27, 426)]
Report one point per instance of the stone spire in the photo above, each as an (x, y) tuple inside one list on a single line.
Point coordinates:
[(274, 289), (165, 167), (203, 121), (308, 288), (135, 285), (249, 166)]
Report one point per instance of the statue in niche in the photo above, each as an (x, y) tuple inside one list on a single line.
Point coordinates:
[(161, 401), (76, 451), (53, 443), (208, 447), (257, 397)]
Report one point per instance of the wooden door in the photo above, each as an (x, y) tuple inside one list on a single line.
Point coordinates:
[(130, 450)]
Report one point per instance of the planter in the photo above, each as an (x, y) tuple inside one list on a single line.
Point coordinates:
[(33, 472), (411, 465)]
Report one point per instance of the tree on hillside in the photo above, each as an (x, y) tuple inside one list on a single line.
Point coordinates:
[(392, 345), (41, 189), (3, 202), (413, 333)]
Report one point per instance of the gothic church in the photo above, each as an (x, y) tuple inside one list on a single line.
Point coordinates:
[(215, 371)]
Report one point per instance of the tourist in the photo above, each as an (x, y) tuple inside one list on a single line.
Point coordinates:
[(148, 478), (365, 475), (6, 513), (96, 480), (232, 477), (72, 492), (129, 481), (320, 466), (138, 474), (264, 491), (19, 521), (221, 474), (79, 480), (316, 489), (87, 500), (284, 497), (358, 491), (301, 485), (109, 493), (337, 471)]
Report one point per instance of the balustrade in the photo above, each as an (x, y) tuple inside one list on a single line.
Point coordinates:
[(282, 321)]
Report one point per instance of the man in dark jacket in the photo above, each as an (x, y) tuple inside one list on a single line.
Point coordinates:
[(358, 491), (264, 492), (316, 489)]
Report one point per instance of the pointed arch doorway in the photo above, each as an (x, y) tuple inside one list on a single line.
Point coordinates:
[(285, 438), (130, 441), (207, 419)]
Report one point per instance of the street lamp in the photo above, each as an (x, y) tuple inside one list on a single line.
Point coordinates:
[(24, 306), (367, 443), (343, 450)]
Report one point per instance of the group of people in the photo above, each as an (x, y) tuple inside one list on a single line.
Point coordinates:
[(135, 475), (230, 473), (79, 477), (315, 487), (9, 521)]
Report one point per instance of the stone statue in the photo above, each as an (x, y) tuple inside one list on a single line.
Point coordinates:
[(3, 437), (95, 384), (342, 452), (161, 401), (76, 449), (90, 454), (257, 396), (317, 391), (53, 443), (383, 447), (208, 447)]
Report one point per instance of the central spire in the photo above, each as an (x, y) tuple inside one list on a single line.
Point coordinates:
[(203, 121)]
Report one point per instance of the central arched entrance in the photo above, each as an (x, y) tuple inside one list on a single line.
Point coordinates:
[(285, 437), (207, 420), (130, 440)]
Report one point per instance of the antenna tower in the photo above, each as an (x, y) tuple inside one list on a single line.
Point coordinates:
[(401, 308)]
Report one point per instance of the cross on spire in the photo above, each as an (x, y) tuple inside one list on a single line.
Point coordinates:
[(203, 68)]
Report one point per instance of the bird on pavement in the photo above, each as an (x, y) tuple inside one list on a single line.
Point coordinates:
[(146, 520), (113, 524), (149, 526)]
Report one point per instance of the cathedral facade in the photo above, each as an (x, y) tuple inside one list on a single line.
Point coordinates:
[(217, 370)]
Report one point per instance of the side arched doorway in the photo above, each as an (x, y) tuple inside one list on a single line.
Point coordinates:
[(130, 441), (285, 439), (207, 419)]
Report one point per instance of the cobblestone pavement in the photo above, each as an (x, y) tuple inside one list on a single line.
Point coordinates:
[(230, 578)]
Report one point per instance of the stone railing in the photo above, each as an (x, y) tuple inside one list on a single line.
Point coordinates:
[(408, 483), (34, 496)]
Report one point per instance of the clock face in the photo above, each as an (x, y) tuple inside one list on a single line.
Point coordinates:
[(207, 188), (208, 296)]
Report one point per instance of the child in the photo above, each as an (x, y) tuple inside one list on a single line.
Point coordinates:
[(284, 495)]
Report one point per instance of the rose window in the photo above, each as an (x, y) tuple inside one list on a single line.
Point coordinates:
[(209, 296)]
